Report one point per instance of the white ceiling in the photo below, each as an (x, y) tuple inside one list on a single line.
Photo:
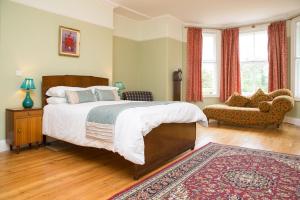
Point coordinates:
[(212, 13)]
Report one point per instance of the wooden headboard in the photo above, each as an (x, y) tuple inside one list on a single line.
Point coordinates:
[(69, 80)]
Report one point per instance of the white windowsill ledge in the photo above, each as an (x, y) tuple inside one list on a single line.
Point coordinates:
[(211, 96), (297, 98)]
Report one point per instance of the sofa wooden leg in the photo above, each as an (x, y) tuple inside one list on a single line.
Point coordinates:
[(278, 125)]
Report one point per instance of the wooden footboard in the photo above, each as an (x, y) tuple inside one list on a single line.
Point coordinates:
[(164, 143)]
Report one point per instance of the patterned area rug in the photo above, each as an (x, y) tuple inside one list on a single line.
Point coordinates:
[(223, 172)]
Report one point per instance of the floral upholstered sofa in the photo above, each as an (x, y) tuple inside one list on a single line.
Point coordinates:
[(259, 109)]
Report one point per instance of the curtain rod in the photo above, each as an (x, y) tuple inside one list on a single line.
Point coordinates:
[(203, 27), (246, 25)]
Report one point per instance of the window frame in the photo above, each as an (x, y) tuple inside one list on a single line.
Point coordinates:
[(294, 57), (217, 34), (245, 30)]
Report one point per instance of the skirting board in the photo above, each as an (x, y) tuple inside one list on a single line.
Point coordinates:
[(3, 146), (292, 120)]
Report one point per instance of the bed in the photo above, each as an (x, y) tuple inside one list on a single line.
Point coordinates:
[(161, 144)]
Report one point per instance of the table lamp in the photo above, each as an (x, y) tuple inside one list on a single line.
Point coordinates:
[(28, 85), (119, 85)]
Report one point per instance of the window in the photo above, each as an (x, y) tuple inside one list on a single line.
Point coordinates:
[(254, 61), (295, 65), (210, 82)]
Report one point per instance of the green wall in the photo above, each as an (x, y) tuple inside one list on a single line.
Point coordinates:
[(147, 65), (153, 67), (174, 62), (126, 62), (29, 42)]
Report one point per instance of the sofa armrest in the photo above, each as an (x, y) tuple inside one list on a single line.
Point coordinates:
[(282, 104)]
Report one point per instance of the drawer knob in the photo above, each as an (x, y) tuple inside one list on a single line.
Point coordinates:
[(19, 131)]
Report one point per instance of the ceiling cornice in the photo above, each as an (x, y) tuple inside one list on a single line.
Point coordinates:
[(286, 16)]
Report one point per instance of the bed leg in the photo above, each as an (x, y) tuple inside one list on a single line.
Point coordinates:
[(136, 174), (44, 140), (135, 177), (193, 147)]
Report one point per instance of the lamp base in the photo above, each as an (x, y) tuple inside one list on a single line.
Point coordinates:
[(27, 103)]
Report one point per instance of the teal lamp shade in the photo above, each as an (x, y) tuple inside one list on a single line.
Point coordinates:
[(28, 84), (119, 85)]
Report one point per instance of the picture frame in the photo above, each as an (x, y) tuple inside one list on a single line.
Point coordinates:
[(69, 42)]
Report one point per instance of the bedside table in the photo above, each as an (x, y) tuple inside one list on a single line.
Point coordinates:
[(23, 127)]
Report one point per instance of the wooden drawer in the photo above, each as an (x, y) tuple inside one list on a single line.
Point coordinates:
[(28, 113)]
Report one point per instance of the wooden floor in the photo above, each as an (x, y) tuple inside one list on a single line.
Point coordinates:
[(86, 173)]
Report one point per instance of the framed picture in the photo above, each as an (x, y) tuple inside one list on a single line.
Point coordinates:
[(69, 42)]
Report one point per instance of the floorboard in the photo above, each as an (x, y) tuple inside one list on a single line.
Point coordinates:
[(87, 173)]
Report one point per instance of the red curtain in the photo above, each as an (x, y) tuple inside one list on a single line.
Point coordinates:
[(230, 69), (194, 64), (278, 58)]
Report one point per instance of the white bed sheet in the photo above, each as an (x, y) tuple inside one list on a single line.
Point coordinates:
[(67, 122)]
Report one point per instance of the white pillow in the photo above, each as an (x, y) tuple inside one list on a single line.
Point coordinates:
[(102, 87), (59, 91), (56, 100)]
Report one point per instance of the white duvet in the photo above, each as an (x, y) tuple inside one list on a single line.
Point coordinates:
[(67, 122)]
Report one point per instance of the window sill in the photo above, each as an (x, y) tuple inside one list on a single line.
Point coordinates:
[(297, 99), (211, 96)]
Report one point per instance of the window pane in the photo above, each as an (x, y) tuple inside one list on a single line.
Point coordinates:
[(261, 45), (254, 75), (209, 47), (246, 46), (254, 61), (297, 78), (209, 78), (209, 66), (298, 40)]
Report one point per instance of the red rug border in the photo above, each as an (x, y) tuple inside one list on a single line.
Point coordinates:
[(180, 159), (169, 165)]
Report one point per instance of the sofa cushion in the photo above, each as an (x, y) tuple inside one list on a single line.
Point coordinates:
[(265, 106), (222, 107), (257, 97), (237, 100), (237, 115)]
